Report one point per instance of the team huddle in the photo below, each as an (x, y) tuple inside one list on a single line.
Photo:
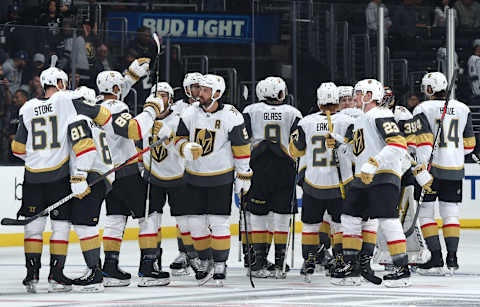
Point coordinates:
[(359, 159)]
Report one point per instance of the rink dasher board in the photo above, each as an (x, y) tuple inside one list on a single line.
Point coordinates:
[(11, 179)]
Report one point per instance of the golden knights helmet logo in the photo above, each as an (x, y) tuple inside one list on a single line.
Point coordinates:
[(206, 139), (358, 142)]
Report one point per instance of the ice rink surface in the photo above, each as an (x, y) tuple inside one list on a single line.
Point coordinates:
[(463, 289)]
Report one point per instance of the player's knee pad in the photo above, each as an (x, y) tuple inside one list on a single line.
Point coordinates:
[(258, 222), (392, 229), (310, 228), (370, 225), (85, 231), (114, 226), (34, 229), (449, 211), (351, 225), (280, 222), (148, 225), (219, 224), (60, 230), (198, 226), (426, 213)]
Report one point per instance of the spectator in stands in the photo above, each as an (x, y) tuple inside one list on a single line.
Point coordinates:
[(468, 13), (13, 70), (5, 95), (371, 15), (35, 88), (404, 23), (78, 51), (12, 115), (440, 13), (423, 14), (474, 72), (144, 44), (102, 62), (51, 19)]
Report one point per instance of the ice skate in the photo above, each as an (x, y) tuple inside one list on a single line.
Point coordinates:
[(366, 270), (347, 275), (179, 266), (205, 272), (308, 268), (433, 267), (57, 281), (113, 276), (399, 278), (33, 271), (91, 281), (219, 273), (452, 263), (149, 277)]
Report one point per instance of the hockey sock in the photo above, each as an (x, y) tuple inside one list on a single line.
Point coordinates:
[(269, 239), (369, 236), (89, 243), (147, 236), (187, 242), (396, 242), (113, 235), (324, 234), (220, 237), (258, 234), (336, 229), (59, 241), (451, 225), (280, 227), (33, 242), (310, 239), (352, 237), (181, 246), (158, 219), (429, 226), (200, 235)]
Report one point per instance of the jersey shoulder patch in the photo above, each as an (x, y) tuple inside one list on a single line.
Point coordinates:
[(115, 106)]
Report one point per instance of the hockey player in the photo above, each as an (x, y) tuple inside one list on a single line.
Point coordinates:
[(455, 140), (322, 185), (269, 124), (187, 254), (378, 146), (128, 192), (213, 139), (41, 140)]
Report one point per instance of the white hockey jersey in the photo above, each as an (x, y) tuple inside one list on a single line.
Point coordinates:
[(179, 106), (376, 134), (454, 142), (41, 138), (353, 112), (270, 126), (403, 117), (89, 149), (309, 142), (225, 142), (168, 166)]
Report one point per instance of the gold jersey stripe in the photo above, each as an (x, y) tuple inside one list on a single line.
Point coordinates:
[(90, 243), (103, 116), (396, 140), (221, 243), (451, 168), (430, 230), (83, 145), (328, 186), (294, 151), (134, 131), (58, 248), (411, 139), (280, 238), (209, 174), (33, 247), (48, 169), (242, 151), (469, 142), (310, 239), (350, 242), (452, 231), (202, 244), (424, 139), (147, 241), (160, 177), (18, 148), (369, 237), (397, 247)]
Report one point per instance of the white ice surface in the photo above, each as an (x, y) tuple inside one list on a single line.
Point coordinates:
[(462, 289)]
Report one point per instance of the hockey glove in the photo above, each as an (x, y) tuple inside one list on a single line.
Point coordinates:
[(79, 185), (87, 94), (423, 177), (367, 172), (191, 151), (139, 68), (243, 181), (162, 131), (155, 103), (333, 140)]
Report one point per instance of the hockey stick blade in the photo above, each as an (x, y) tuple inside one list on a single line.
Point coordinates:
[(17, 222), (53, 61), (157, 42)]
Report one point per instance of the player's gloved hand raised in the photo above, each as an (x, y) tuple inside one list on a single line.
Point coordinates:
[(156, 104), (87, 94), (334, 139), (162, 131), (367, 172), (79, 185), (243, 182), (191, 151), (423, 177), (139, 68)]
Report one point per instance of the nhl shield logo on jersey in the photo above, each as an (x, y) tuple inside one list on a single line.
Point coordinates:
[(358, 142), (206, 139)]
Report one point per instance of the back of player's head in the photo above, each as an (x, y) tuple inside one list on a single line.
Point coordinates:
[(274, 89), (260, 89), (108, 80), (50, 77), (327, 94), (189, 80), (433, 84)]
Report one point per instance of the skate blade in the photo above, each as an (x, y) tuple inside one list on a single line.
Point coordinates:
[(89, 289), (54, 287), (400, 283), (180, 272), (113, 282), (431, 272), (350, 281), (152, 282), (31, 288), (203, 281)]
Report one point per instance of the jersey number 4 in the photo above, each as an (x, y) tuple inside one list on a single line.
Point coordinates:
[(452, 134)]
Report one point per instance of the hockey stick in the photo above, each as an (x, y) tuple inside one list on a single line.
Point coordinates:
[(244, 211), (435, 147), (149, 177), (291, 225), (16, 222), (240, 245)]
